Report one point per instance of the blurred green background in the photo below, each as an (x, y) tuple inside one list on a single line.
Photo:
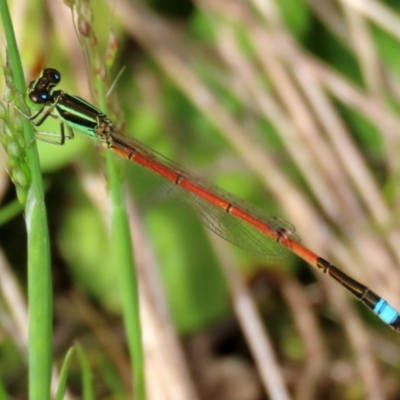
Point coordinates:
[(290, 105)]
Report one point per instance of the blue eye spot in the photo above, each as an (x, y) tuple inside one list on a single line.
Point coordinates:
[(44, 96)]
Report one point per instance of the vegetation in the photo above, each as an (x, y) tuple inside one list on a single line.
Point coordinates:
[(291, 105)]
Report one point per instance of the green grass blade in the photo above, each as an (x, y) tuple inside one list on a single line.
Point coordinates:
[(123, 256), (87, 387), (64, 374), (10, 211), (39, 281), (3, 393)]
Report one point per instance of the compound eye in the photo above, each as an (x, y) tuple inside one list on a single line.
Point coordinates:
[(52, 75), (39, 96)]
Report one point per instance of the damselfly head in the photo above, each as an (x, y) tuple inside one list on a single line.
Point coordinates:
[(40, 90)]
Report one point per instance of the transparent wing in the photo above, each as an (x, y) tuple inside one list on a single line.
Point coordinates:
[(220, 222), (235, 230)]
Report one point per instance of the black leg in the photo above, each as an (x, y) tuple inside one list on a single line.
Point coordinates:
[(70, 135), (62, 141), (63, 135)]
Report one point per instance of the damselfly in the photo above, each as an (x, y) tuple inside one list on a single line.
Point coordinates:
[(224, 214)]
